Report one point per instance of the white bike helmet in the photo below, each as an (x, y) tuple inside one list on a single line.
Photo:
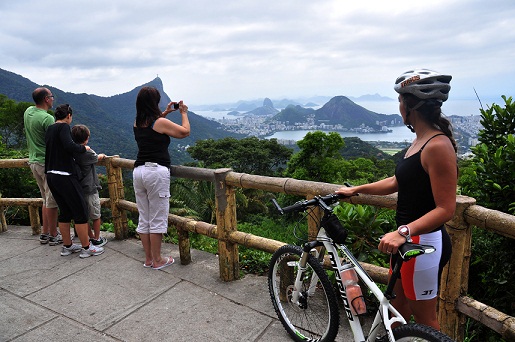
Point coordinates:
[(424, 84)]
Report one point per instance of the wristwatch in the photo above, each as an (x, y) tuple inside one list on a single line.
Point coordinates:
[(404, 231)]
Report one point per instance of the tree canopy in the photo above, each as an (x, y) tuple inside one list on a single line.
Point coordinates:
[(489, 178), (490, 174), (318, 159), (11, 122), (249, 155), (321, 159)]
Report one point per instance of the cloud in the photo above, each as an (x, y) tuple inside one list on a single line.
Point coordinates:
[(206, 51)]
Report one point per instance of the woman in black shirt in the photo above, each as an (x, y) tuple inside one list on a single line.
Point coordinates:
[(151, 175), (64, 184), (426, 182)]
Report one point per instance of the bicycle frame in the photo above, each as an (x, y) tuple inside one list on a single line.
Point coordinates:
[(385, 307), (331, 239)]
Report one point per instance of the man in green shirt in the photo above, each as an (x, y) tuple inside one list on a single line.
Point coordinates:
[(36, 120)]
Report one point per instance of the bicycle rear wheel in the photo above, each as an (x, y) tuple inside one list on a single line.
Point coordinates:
[(420, 333), (315, 315)]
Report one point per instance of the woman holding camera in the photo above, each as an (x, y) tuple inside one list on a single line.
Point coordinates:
[(151, 175)]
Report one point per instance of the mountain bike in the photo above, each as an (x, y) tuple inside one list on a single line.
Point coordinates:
[(304, 298)]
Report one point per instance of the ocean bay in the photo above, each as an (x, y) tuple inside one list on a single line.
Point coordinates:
[(398, 134), (451, 107)]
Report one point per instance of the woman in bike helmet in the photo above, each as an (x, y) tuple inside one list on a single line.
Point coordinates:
[(426, 182)]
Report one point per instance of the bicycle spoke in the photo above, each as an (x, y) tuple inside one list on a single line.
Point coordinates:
[(313, 316)]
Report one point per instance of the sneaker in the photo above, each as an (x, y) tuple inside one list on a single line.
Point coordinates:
[(100, 242), (55, 240), (92, 250), (69, 250), (43, 239)]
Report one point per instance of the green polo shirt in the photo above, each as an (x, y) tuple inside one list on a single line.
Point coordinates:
[(36, 122)]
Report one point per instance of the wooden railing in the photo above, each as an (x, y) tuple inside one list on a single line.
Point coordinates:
[(454, 305)]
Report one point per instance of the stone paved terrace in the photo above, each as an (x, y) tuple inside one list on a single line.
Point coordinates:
[(112, 297)]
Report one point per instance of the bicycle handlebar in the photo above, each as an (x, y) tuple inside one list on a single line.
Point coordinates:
[(303, 205), (338, 234)]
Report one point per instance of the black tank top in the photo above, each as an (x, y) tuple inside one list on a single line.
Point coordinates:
[(152, 146), (415, 195)]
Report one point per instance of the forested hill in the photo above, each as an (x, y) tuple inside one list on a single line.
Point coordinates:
[(340, 110), (110, 119)]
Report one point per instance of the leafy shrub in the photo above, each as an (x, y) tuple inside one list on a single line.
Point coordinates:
[(253, 261), (488, 177), (365, 225), (109, 227)]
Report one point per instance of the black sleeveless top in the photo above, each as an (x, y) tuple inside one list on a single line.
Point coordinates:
[(415, 195), (152, 146)]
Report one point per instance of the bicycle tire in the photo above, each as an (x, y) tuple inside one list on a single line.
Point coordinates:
[(317, 316), (420, 333)]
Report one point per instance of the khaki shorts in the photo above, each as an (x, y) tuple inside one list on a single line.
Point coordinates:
[(152, 189), (93, 202), (38, 170)]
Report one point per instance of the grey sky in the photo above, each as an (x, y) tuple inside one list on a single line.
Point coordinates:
[(213, 51)]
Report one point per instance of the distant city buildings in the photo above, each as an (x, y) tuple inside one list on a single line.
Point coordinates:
[(466, 128), (262, 126)]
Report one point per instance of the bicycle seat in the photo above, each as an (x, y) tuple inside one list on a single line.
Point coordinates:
[(411, 250)]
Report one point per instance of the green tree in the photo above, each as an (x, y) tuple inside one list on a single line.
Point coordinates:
[(11, 122), (194, 199), (16, 183), (489, 178), (365, 170), (249, 155), (319, 158)]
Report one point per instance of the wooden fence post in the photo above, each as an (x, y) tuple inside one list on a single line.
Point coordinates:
[(314, 221), (184, 246), (228, 258), (455, 276), (35, 222), (3, 221), (116, 193)]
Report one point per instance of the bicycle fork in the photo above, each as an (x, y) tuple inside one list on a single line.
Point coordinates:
[(297, 287)]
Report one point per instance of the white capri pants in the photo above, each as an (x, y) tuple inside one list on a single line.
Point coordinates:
[(152, 189)]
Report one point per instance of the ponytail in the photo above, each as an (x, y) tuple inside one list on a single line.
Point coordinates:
[(445, 126), (431, 111)]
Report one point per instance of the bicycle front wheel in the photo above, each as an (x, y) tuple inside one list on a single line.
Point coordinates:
[(314, 316), (420, 333)]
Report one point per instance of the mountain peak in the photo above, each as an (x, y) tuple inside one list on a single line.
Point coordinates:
[(268, 103), (369, 97), (339, 99), (156, 83)]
